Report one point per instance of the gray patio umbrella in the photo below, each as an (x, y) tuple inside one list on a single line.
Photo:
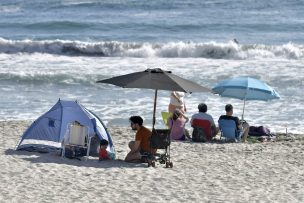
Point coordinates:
[(156, 79)]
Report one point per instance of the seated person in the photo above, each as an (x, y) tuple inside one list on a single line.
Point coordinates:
[(103, 153), (244, 126), (203, 115), (177, 124), (141, 145)]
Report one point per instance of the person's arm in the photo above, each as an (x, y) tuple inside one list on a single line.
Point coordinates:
[(170, 121), (186, 117), (239, 125), (111, 155), (212, 122), (213, 127), (136, 147), (176, 97), (194, 117)]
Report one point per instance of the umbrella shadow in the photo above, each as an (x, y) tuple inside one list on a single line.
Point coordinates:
[(214, 141), (36, 157)]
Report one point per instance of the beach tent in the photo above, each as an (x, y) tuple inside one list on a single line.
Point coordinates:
[(48, 131)]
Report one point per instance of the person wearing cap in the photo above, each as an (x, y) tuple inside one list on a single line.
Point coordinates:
[(177, 123), (203, 115)]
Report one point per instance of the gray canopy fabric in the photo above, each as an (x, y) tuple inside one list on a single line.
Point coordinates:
[(156, 79)]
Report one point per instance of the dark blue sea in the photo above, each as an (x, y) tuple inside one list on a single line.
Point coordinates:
[(60, 48)]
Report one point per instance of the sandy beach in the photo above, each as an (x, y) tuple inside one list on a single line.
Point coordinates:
[(202, 172)]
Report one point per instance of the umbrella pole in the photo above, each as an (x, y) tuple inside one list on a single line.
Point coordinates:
[(243, 110), (154, 109)]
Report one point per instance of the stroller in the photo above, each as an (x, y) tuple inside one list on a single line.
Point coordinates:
[(160, 139)]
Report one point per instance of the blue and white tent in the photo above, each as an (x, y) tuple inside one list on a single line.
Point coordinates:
[(48, 131)]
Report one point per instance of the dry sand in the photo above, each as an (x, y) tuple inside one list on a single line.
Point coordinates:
[(202, 172)]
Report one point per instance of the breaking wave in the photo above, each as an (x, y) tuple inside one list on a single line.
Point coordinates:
[(229, 50), (50, 78)]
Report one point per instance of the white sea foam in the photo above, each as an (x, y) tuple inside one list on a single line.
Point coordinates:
[(31, 83), (63, 55), (9, 9), (214, 50)]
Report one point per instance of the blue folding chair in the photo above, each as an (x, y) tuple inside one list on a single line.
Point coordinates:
[(228, 129)]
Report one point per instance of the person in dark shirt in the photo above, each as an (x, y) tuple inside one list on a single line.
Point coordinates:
[(241, 126)]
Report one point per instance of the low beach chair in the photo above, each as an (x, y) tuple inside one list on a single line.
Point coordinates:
[(77, 140), (201, 130), (229, 130), (166, 116)]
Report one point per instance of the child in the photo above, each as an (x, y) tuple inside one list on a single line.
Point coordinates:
[(103, 153)]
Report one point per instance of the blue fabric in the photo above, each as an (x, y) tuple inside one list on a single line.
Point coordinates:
[(245, 88), (52, 126), (228, 129)]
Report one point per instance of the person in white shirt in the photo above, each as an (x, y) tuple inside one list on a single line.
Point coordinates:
[(203, 115), (177, 102)]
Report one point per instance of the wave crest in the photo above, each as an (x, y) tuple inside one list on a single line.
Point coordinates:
[(229, 50), (47, 78)]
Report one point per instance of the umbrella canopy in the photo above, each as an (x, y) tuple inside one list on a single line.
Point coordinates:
[(156, 79), (245, 88)]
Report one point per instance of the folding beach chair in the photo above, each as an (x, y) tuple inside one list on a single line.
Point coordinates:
[(166, 116), (229, 130), (76, 141), (201, 130)]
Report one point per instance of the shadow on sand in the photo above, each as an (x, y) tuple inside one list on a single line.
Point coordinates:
[(214, 141), (52, 157)]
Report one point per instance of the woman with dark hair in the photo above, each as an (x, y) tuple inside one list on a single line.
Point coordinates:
[(177, 124)]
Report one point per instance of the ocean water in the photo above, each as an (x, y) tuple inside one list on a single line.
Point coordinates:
[(59, 49)]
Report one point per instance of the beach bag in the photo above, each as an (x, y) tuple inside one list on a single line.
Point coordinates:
[(259, 131), (80, 152), (199, 135), (76, 153), (160, 138)]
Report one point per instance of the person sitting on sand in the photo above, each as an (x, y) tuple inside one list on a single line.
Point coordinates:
[(241, 126), (103, 153), (177, 124), (141, 145), (203, 115)]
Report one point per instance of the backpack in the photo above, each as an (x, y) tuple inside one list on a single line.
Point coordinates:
[(198, 135), (76, 153), (259, 131)]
